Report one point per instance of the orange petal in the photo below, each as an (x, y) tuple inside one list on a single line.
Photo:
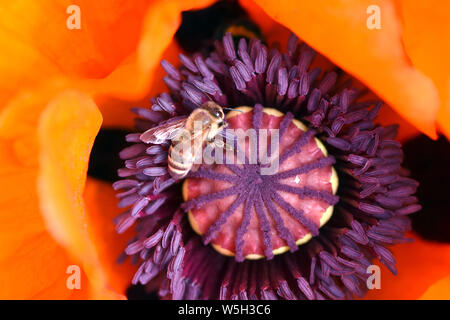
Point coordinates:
[(108, 32), (101, 209), (438, 291), (66, 132), (67, 129), (32, 264), (339, 31), (115, 52), (133, 77), (34, 48), (426, 34), (419, 264)]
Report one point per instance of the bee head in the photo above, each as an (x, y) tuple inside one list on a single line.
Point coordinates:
[(217, 112)]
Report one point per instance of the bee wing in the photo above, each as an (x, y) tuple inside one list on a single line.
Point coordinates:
[(167, 130)]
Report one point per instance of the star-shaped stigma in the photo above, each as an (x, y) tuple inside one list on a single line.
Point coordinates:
[(246, 210)]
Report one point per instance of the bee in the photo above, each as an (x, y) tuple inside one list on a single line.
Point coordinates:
[(188, 136)]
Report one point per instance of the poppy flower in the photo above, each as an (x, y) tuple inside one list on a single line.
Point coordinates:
[(313, 70)]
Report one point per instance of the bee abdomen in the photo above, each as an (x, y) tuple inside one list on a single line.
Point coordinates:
[(179, 165)]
